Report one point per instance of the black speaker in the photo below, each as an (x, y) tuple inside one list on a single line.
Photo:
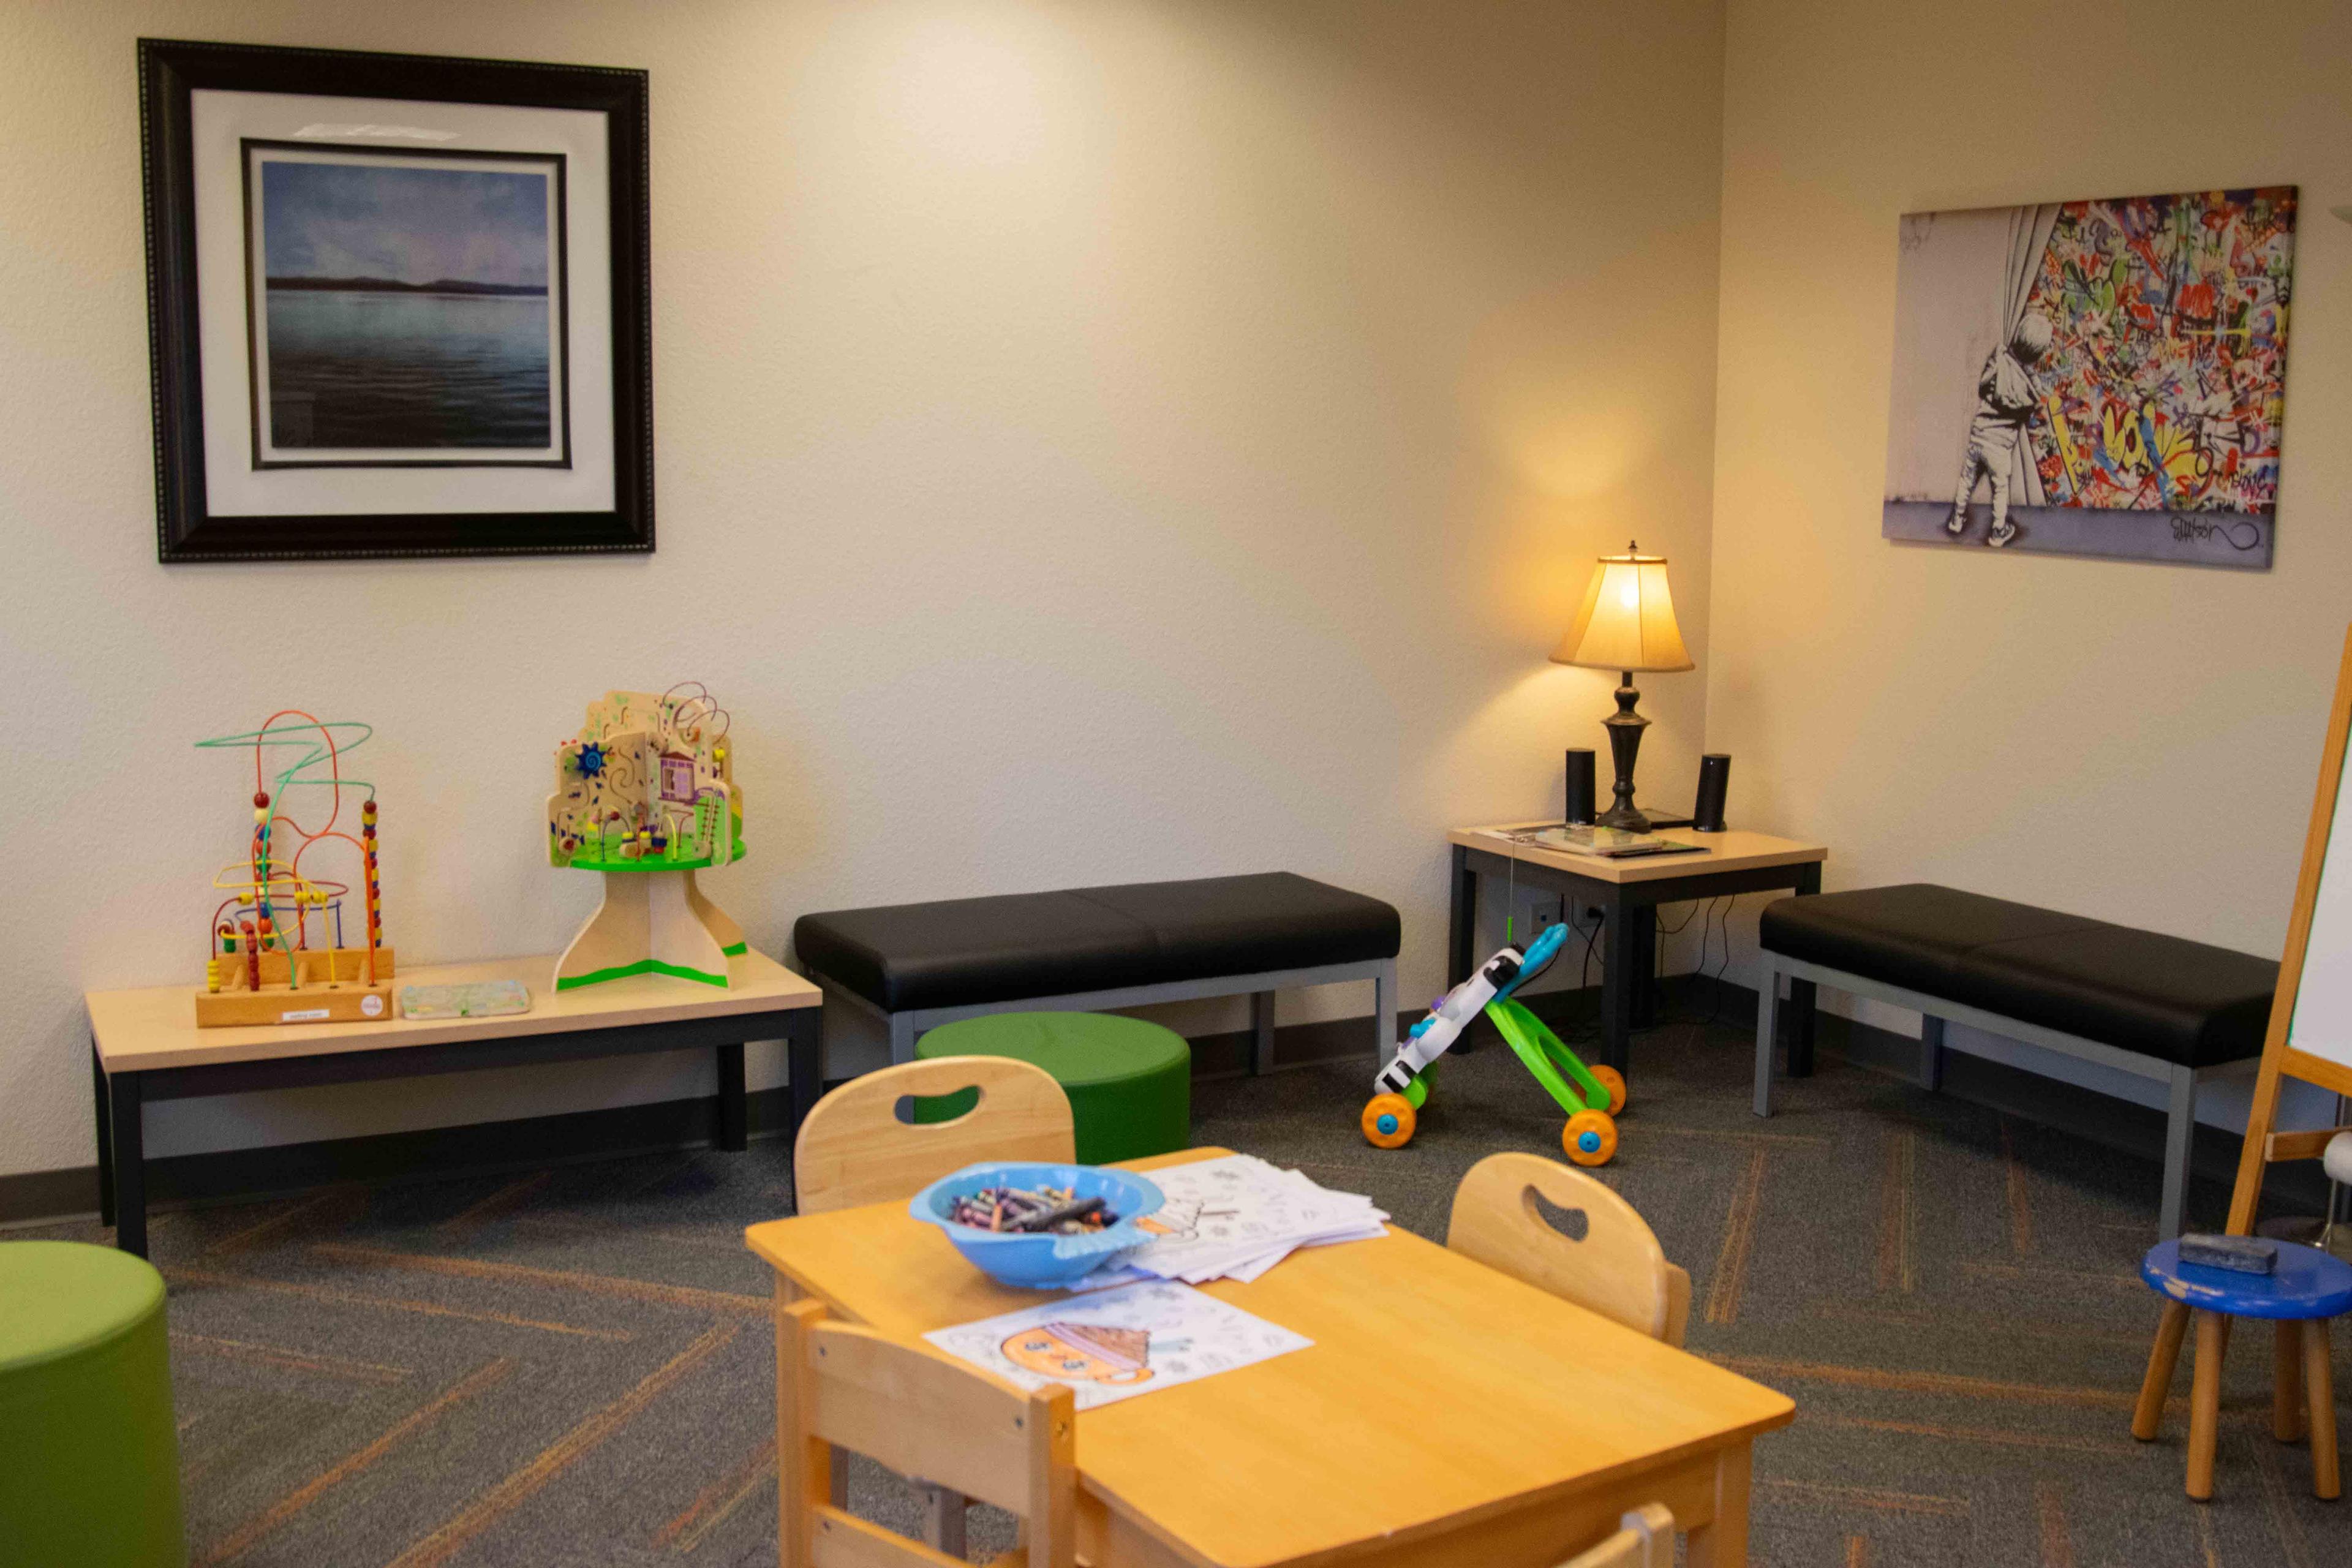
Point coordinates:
[(1580, 788), (1714, 781)]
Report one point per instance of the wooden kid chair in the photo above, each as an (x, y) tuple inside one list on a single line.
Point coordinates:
[(1646, 1540), (839, 1385), (853, 1150), (1520, 1213)]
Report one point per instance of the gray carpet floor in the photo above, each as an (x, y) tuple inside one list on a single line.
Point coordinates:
[(574, 1366)]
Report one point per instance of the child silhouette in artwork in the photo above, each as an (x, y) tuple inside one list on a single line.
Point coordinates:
[(2004, 402)]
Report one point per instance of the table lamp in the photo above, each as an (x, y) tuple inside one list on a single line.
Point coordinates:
[(1627, 624)]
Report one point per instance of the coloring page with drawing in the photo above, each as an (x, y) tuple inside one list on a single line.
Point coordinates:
[(1115, 1344)]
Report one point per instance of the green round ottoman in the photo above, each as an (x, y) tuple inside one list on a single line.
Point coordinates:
[(1129, 1082), (90, 1462)]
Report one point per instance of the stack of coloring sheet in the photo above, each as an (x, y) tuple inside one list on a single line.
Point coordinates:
[(1236, 1216)]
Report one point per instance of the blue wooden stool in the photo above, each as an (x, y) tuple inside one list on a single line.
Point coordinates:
[(2308, 1287)]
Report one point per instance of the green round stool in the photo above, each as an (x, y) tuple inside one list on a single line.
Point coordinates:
[(1129, 1082), (89, 1460)]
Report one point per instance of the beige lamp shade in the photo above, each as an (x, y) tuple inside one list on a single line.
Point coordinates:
[(1628, 619)]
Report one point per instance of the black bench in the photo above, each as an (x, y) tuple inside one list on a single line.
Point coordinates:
[(1090, 949), (2156, 1007)]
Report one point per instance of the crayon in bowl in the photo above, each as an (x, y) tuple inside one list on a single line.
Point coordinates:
[(1036, 1210)]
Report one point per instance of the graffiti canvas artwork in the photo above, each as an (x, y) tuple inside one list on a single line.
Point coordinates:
[(1109, 1345), (2093, 377)]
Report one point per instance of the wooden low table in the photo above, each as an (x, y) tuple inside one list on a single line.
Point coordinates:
[(1626, 891), (145, 1045), (1445, 1414)]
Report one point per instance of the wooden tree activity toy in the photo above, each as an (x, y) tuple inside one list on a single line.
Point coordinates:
[(1590, 1096), (645, 793), (259, 964)]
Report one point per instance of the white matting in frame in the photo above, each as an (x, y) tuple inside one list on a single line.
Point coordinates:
[(222, 123)]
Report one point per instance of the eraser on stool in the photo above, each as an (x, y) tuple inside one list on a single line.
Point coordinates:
[(2239, 1254)]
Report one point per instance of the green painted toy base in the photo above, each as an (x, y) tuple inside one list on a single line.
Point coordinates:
[(642, 966), (583, 863), (1551, 1063), (1129, 1082)]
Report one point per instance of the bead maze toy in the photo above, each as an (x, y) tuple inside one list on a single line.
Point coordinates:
[(259, 964), (1590, 1096), (645, 793)]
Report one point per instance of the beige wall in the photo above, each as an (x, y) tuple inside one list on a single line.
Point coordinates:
[(1095, 441), (2128, 740)]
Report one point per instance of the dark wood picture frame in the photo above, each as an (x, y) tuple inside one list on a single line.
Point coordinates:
[(186, 529)]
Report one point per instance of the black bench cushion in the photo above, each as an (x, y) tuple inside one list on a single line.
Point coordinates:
[(967, 951), (2163, 996)]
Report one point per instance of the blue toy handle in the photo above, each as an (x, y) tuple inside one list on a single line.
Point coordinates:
[(1539, 953)]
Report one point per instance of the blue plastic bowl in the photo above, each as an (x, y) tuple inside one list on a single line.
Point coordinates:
[(1035, 1262)]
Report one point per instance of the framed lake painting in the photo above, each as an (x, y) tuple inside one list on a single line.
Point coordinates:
[(398, 304)]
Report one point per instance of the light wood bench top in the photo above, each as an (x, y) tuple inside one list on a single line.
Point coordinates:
[(156, 1027)]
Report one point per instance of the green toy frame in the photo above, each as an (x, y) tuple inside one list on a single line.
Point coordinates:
[(1564, 1077), (1591, 1100)]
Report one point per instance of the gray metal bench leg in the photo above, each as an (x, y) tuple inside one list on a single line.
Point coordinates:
[(1261, 1031), (902, 1037), (1768, 1026), (1931, 1053), (2179, 1131), (1384, 1012)]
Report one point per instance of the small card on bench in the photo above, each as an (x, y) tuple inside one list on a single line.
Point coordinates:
[(1115, 1344)]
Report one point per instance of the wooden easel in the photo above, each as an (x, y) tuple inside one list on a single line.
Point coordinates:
[(2325, 1055), (2310, 1039)]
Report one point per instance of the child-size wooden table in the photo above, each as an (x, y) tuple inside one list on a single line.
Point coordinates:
[(1445, 1414), (145, 1045)]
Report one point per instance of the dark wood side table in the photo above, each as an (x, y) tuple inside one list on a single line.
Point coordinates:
[(145, 1045), (1627, 892)]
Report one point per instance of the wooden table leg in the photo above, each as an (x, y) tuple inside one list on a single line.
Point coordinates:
[(1642, 925), (2286, 1382), (805, 1044), (2320, 1383), (105, 1138), (1722, 1542), (1619, 976), (2148, 1416), (1461, 919), (2205, 1402), (734, 1109), (129, 1164), (797, 1489), (943, 1517)]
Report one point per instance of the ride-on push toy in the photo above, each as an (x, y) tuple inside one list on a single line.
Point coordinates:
[(1590, 1096)]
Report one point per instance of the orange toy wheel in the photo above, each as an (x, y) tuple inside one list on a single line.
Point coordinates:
[(1615, 1082), (1589, 1137), (1387, 1121)]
